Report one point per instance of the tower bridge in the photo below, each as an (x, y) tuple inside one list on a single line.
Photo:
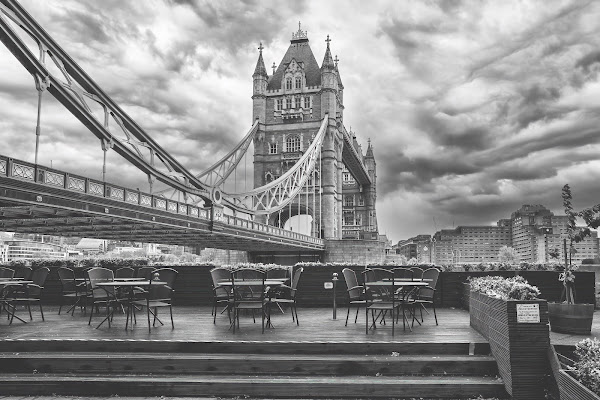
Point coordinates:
[(307, 167)]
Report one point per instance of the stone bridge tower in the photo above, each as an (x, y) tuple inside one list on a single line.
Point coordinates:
[(290, 105)]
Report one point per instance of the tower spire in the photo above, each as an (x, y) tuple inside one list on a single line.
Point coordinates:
[(260, 69), (328, 60)]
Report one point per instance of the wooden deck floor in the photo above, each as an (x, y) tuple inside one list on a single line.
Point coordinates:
[(196, 324)]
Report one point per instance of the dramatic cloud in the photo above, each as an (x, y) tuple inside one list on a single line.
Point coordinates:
[(473, 107)]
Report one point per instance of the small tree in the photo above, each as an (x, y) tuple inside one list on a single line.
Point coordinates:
[(508, 255), (575, 235)]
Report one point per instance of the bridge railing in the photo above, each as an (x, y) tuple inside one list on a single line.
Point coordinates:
[(23, 170)]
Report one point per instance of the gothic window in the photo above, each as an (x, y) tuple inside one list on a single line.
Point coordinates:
[(346, 177), (361, 201), (298, 83), (269, 177), (358, 219), (288, 103), (297, 101), (272, 148), (292, 143), (279, 104), (349, 201), (288, 83), (307, 102)]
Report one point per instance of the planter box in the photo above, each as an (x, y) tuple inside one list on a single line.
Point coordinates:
[(520, 348), (568, 387), (571, 318)]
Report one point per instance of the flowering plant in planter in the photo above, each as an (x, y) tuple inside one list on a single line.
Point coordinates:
[(515, 288), (586, 369)]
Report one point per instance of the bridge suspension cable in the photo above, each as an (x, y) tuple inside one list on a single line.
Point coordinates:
[(75, 88)]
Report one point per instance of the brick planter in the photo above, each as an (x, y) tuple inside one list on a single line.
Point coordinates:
[(520, 349)]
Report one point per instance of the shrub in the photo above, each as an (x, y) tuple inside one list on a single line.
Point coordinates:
[(516, 288), (586, 368)]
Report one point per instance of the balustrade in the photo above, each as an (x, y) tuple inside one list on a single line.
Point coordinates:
[(22, 170)]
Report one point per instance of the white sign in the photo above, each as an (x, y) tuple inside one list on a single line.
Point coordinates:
[(328, 285), (528, 313)]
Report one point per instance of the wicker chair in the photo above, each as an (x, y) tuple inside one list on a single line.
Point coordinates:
[(355, 292), (289, 295), (31, 293)]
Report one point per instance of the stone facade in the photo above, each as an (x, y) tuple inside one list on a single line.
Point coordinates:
[(290, 106), (355, 251)]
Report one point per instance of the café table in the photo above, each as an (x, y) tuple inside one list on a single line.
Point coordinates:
[(276, 282), (130, 285), (4, 285)]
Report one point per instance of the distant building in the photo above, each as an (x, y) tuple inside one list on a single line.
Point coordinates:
[(27, 250), (470, 244), (89, 246), (533, 231), (3, 253), (536, 231), (418, 247)]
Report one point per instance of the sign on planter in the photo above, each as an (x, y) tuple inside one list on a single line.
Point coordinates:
[(528, 313)]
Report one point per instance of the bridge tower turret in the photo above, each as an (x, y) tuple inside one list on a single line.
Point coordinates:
[(259, 99)]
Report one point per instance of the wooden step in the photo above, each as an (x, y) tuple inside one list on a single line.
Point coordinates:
[(260, 364), (241, 346), (254, 386)]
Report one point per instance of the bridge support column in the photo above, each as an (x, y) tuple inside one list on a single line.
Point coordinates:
[(331, 182)]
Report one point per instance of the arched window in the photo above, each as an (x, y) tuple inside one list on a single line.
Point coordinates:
[(298, 82), (292, 143), (288, 83)]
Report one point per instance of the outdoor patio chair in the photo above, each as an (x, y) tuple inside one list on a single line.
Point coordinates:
[(7, 272), (23, 272), (355, 292), (380, 299), (99, 296), (158, 296), (287, 295), (251, 300), (125, 272), (30, 294), (221, 294), (426, 295), (73, 292)]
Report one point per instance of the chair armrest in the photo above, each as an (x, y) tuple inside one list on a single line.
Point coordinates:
[(355, 287)]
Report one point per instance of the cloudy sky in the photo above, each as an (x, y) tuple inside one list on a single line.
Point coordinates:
[(473, 107)]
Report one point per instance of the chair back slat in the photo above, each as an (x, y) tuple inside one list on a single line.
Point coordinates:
[(417, 272), (23, 272), (433, 274), (97, 275), (248, 293), (162, 292), (39, 278), (67, 279), (295, 281), (145, 272), (124, 272), (403, 273), (354, 290), (6, 272)]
